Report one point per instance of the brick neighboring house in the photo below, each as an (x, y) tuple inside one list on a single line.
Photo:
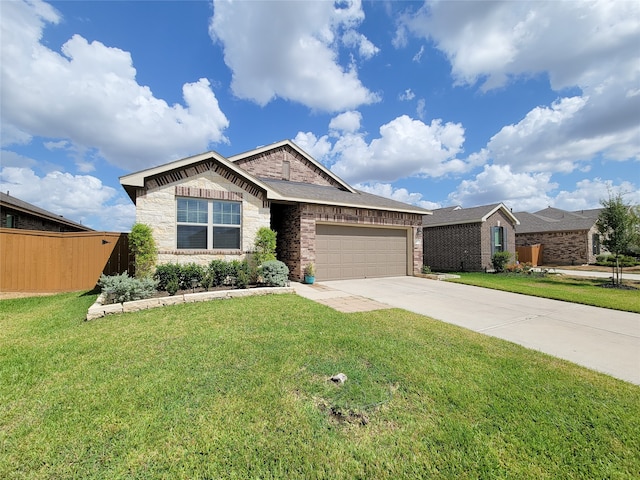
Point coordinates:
[(207, 206), (567, 238), (16, 213), (457, 238)]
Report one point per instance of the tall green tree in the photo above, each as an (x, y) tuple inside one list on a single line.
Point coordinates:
[(265, 245), (618, 224), (143, 247)]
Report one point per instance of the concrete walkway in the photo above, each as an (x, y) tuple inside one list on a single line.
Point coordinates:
[(601, 339)]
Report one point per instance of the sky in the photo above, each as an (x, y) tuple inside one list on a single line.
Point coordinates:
[(532, 104)]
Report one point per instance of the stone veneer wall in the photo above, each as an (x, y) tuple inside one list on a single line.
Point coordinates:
[(156, 207), (296, 227), (271, 165), (562, 248)]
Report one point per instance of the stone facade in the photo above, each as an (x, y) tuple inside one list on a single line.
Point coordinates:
[(465, 246), (563, 248), (156, 207)]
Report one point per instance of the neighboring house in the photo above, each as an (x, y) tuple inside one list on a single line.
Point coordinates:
[(207, 206), (567, 238), (16, 213), (457, 238)]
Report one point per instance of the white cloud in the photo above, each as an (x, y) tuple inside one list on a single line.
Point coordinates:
[(421, 108), (290, 50), (532, 192), (318, 148), (590, 193), (418, 56), (88, 96), (497, 183), (346, 122), (81, 198), (405, 148), (406, 95), (353, 39), (589, 45), (399, 194)]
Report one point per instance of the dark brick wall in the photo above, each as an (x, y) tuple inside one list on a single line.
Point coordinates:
[(562, 248), (296, 227), (465, 246), (25, 221), (271, 165)]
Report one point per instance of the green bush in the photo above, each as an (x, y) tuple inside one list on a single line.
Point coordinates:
[(274, 273), (143, 248), (165, 273), (426, 269), (189, 272), (500, 260), (122, 288), (173, 286), (265, 245), (608, 260), (218, 270)]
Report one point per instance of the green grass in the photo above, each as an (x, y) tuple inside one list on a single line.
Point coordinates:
[(584, 290), (238, 389)]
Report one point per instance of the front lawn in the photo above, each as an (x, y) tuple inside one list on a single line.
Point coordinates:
[(584, 290), (239, 389)]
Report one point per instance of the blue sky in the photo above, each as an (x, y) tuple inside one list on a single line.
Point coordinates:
[(432, 103)]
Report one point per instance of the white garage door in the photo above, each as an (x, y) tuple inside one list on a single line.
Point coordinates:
[(359, 252)]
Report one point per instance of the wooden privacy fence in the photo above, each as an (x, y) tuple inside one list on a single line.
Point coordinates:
[(530, 254), (40, 261)]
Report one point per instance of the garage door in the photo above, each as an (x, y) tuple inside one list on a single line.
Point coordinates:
[(359, 252)]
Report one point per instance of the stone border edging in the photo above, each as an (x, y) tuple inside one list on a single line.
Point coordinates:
[(99, 310)]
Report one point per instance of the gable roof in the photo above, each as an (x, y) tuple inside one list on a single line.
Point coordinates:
[(275, 190), (305, 155), (556, 220), (7, 201), (137, 180), (457, 215)]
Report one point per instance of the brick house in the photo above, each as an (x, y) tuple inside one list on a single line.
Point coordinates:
[(16, 213), (567, 238), (208, 206), (465, 239)]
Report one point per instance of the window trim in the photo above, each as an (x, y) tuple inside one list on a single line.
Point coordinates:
[(210, 226)]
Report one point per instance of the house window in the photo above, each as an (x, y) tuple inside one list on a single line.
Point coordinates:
[(208, 224), (595, 241), (498, 240), (11, 221)]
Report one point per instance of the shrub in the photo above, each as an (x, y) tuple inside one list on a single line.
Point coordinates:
[(189, 272), (242, 279), (218, 270), (143, 248), (173, 286), (122, 288), (500, 260), (165, 273), (608, 260), (426, 269), (265, 245), (274, 273)]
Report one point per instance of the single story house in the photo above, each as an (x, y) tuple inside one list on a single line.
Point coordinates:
[(16, 213), (208, 206), (465, 239), (567, 238)]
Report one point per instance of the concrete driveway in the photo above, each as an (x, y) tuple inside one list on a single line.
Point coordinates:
[(604, 340)]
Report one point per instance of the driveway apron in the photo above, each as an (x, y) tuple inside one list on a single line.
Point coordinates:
[(601, 339)]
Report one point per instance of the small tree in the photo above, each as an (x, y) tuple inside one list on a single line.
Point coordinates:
[(143, 248), (618, 225), (265, 245)]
